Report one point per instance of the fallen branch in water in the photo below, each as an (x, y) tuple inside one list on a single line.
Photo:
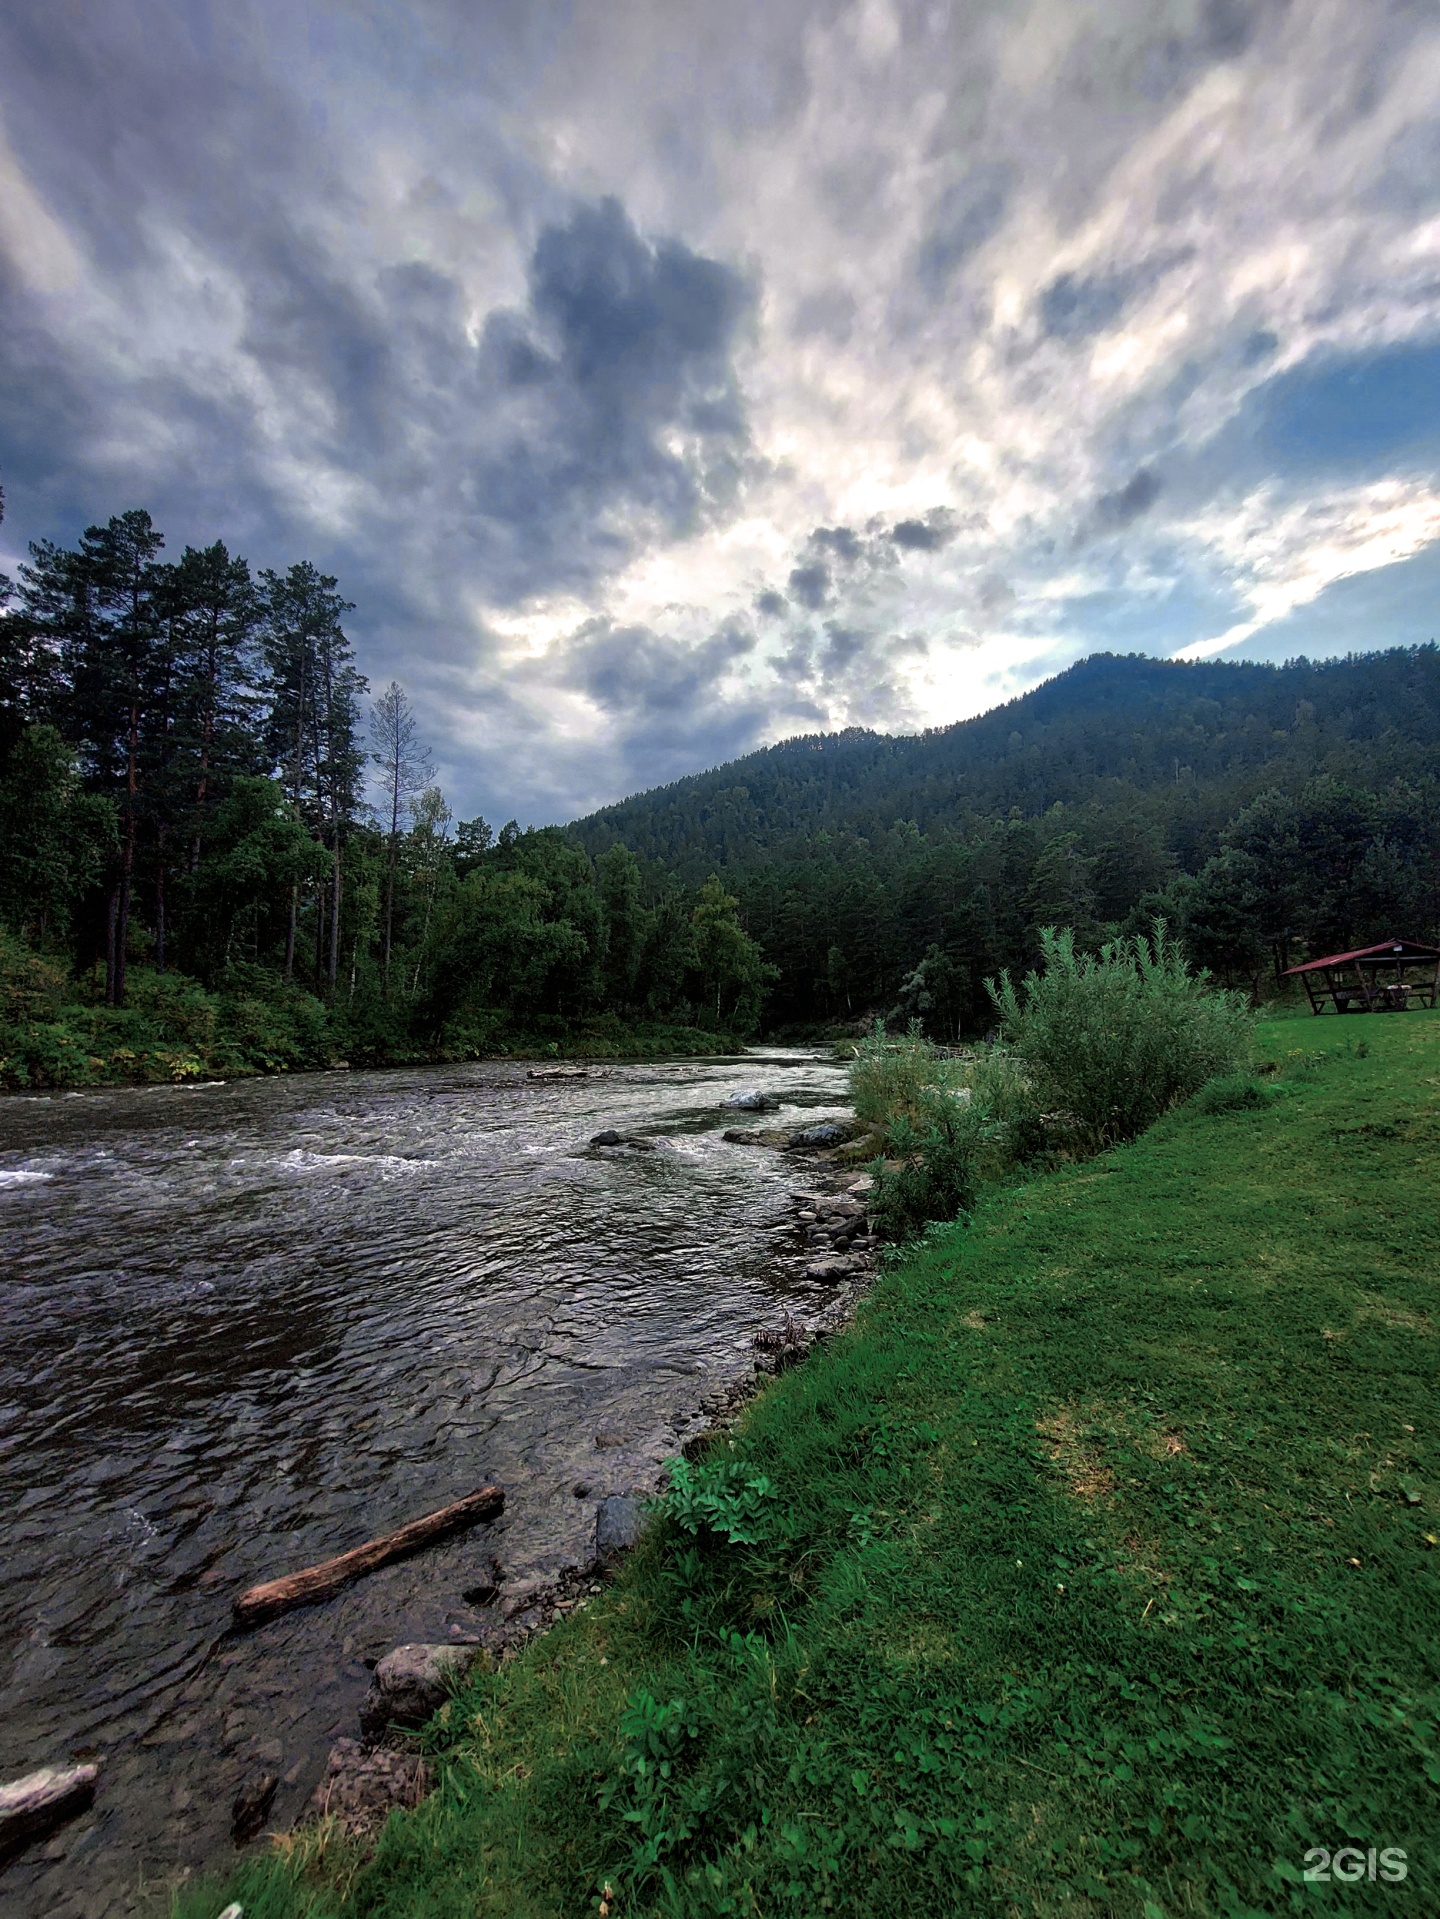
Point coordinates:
[(319, 1582)]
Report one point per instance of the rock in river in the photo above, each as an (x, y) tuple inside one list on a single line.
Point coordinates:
[(413, 1681), (753, 1102), (363, 1784), (829, 1132)]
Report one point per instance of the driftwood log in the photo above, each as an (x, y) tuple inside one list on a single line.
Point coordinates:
[(319, 1582), (29, 1807)]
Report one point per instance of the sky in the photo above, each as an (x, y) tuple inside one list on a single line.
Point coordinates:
[(663, 379)]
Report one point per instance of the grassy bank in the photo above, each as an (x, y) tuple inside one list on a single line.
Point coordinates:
[(57, 1032), (1100, 1574)]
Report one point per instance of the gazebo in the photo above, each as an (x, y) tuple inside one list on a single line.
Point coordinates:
[(1388, 978)]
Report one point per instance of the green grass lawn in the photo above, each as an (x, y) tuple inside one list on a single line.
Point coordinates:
[(1101, 1577)]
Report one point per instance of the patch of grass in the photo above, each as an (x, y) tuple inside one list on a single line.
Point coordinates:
[(1104, 1577)]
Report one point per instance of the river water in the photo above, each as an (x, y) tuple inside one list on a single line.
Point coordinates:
[(246, 1326)]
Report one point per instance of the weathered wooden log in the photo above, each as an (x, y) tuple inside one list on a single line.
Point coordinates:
[(319, 1582), (29, 1807)]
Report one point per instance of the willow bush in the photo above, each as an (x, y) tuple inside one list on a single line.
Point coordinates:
[(1111, 1040)]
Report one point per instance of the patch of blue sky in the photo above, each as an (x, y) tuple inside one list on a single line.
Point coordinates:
[(1120, 620), (1395, 605), (1360, 415)]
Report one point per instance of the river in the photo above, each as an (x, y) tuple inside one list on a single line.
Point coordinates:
[(248, 1325)]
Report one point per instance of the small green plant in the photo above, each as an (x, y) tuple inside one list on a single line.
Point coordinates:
[(728, 1498)]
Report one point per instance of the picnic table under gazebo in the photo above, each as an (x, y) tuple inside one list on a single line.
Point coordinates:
[(1388, 978)]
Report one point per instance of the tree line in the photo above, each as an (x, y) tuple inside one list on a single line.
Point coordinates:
[(194, 780)]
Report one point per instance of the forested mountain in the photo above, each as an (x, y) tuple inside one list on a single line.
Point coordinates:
[(1207, 735), (1269, 812)]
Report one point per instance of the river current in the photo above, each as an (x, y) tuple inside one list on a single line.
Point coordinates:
[(249, 1325)]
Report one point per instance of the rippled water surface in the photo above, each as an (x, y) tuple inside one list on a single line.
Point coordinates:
[(247, 1326)]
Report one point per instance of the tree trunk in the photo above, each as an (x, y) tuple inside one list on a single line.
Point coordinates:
[(290, 930), (389, 910), (112, 915), (335, 911)]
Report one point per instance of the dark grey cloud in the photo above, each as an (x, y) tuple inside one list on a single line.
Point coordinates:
[(632, 669), (1114, 511), (771, 603), (810, 584), (624, 343), (1074, 306), (937, 529), (668, 707)]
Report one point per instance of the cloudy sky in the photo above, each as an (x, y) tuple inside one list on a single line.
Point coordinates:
[(662, 378)]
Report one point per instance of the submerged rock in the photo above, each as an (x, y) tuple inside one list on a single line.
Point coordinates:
[(486, 1584), (617, 1525), (611, 1138), (252, 1807)]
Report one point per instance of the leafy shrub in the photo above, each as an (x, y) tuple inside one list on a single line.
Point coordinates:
[(271, 1024), (936, 1177), (31, 985), (891, 1077), (729, 1498), (1112, 1040)]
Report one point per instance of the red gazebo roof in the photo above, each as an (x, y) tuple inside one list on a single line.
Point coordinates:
[(1387, 949)]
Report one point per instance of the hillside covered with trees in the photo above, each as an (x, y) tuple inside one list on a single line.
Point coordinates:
[(1269, 813)]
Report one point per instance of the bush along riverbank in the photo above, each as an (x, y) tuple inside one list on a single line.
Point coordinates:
[(1096, 1569), (58, 1032)]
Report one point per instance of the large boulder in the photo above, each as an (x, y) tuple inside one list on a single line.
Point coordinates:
[(753, 1102), (412, 1682)]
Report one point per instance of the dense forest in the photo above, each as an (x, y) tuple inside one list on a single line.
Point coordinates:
[(216, 853), (1268, 813)]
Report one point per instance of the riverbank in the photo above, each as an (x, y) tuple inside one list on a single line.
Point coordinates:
[(1100, 1571), (57, 1033)]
